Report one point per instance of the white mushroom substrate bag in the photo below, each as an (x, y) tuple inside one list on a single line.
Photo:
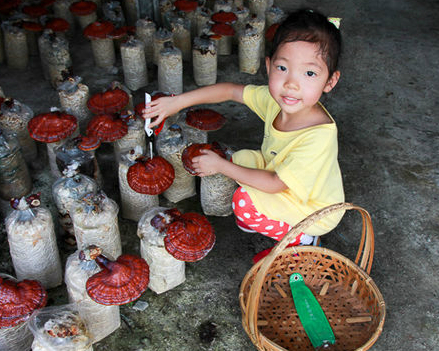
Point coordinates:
[(165, 271), (66, 191), (134, 64), (216, 192), (33, 248), (205, 61), (170, 144), (134, 204), (97, 224), (75, 103), (14, 119), (100, 320), (134, 137), (59, 328)]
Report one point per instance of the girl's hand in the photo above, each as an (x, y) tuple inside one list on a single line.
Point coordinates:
[(208, 163), (159, 109)]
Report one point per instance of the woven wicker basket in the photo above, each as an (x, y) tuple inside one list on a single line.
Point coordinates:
[(350, 299)]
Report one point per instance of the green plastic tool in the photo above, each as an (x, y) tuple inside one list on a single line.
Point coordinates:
[(310, 313)]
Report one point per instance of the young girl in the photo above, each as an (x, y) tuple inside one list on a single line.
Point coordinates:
[(296, 172)]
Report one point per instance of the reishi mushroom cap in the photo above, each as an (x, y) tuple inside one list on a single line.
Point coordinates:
[(186, 5), (89, 143), (52, 126), (98, 30), (107, 127), (110, 101), (119, 282), (35, 10), (205, 119), (195, 150), (32, 26), (223, 29), (190, 237), (19, 299), (83, 8), (58, 25), (121, 32), (271, 31), (224, 17), (150, 176)]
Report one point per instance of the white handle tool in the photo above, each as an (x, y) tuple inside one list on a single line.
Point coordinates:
[(149, 131)]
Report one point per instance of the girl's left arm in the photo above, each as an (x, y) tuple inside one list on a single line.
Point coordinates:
[(210, 163)]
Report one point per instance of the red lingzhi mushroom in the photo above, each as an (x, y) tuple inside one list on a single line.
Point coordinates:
[(189, 237), (195, 150), (119, 282), (271, 31), (52, 126), (98, 30), (83, 8), (224, 17), (35, 11), (32, 26), (58, 25), (150, 176), (205, 119), (122, 32), (110, 101), (19, 299), (89, 143), (223, 29), (107, 127), (186, 5)]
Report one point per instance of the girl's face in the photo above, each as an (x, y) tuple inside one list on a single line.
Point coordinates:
[(297, 76)]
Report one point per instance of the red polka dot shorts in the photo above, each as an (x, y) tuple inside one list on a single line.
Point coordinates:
[(250, 220)]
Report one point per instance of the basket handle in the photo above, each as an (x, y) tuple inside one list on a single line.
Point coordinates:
[(365, 252)]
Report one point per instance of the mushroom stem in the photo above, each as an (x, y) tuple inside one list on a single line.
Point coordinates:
[(105, 263), (119, 271)]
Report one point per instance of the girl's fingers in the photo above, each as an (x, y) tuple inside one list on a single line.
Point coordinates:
[(155, 122)]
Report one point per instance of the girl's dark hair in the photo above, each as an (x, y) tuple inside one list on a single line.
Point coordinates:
[(313, 27)]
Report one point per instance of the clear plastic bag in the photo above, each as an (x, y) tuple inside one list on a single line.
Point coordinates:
[(134, 204), (66, 191), (95, 222), (100, 320), (165, 271), (216, 192), (32, 244), (59, 328), (170, 144), (14, 117), (15, 180)]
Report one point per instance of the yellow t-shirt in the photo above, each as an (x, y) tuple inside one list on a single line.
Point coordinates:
[(305, 160)]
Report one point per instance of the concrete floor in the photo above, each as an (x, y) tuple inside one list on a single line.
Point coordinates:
[(389, 143)]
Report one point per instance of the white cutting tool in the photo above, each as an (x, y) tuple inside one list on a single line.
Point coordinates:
[(149, 132)]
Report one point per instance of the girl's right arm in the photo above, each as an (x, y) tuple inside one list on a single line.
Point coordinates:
[(166, 106)]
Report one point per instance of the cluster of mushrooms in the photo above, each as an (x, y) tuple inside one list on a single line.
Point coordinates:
[(110, 281)]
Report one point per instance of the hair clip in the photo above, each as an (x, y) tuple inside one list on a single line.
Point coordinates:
[(335, 21)]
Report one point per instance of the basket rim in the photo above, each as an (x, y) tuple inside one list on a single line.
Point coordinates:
[(304, 249)]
